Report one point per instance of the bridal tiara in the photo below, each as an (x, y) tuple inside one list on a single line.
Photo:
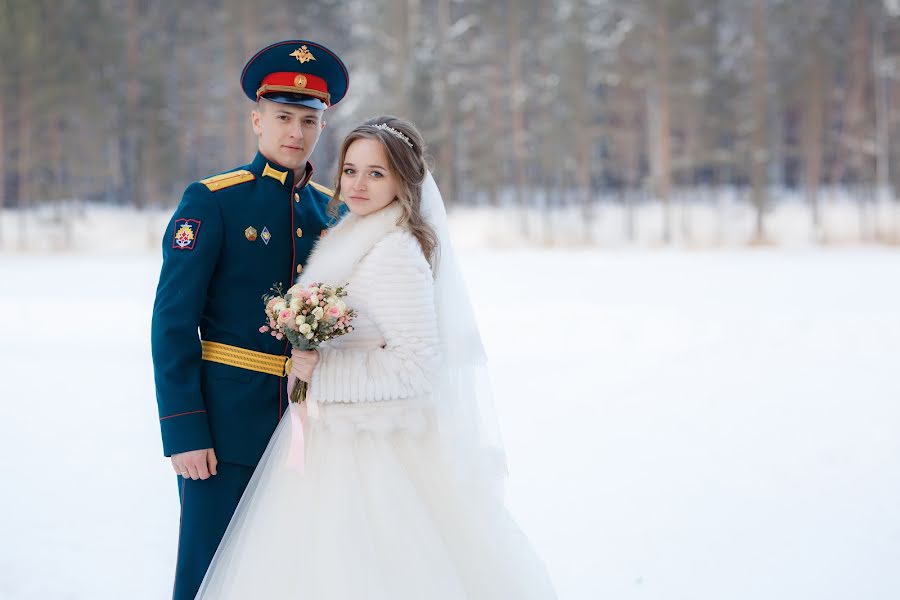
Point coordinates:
[(392, 131)]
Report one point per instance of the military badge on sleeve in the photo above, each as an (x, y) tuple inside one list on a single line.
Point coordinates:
[(185, 234)]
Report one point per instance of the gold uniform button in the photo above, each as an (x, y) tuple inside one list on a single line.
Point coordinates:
[(296, 197), (299, 232), (299, 269)]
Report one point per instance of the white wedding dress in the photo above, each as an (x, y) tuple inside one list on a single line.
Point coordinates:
[(382, 508)]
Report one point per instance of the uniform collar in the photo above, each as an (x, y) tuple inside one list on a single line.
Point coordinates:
[(306, 177), (264, 168)]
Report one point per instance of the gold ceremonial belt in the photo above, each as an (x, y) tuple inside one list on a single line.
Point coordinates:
[(272, 364)]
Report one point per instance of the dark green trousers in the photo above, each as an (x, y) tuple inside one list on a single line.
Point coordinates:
[(206, 509)]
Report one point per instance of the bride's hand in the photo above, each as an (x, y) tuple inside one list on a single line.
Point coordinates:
[(303, 363)]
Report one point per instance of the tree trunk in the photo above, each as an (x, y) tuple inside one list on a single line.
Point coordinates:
[(517, 98), (496, 128), (848, 135), (584, 129), (691, 154), (882, 123), (3, 154), (776, 132), (249, 24), (445, 137), (633, 121), (758, 145), (131, 132), (663, 138), (56, 158), (813, 124), (234, 125), (405, 23), (24, 104)]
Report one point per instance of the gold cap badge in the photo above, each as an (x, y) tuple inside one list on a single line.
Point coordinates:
[(303, 54)]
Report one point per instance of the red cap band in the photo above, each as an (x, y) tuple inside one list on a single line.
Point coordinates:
[(296, 83)]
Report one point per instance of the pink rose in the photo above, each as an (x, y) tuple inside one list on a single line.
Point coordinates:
[(263, 329), (334, 312)]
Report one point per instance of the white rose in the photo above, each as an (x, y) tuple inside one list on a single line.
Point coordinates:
[(305, 329), (318, 312), (309, 335), (296, 303), (313, 299), (341, 305), (279, 306)]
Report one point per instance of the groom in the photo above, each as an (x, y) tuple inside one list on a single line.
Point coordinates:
[(222, 393)]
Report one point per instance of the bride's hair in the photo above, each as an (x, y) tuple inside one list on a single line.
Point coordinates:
[(405, 150)]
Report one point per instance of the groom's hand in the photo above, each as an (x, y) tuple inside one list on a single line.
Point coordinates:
[(196, 464)]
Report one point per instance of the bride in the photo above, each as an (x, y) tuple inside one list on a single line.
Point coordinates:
[(399, 493)]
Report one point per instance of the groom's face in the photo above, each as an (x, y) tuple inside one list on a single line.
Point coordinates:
[(287, 133)]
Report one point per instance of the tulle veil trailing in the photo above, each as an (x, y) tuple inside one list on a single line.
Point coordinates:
[(466, 420)]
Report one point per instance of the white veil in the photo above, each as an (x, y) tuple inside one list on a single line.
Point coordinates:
[(464, 409)]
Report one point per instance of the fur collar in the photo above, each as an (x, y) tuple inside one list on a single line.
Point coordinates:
[(334, 256)]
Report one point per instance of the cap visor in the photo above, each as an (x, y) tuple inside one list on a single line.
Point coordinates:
[(296, 100)]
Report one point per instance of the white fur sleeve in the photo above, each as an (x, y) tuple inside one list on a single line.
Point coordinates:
[(400, 294)]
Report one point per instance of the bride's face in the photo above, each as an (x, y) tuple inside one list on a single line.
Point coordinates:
[(367, 185)]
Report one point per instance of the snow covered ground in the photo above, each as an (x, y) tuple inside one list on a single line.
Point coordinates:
[(700, 425)]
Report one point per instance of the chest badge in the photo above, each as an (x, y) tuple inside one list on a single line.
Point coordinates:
[(266, 236), (250, 234)]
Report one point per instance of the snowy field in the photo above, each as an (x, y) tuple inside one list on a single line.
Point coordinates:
[(706, 425)]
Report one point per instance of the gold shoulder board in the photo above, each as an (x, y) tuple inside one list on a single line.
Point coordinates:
[(322, 188), (226, 180)]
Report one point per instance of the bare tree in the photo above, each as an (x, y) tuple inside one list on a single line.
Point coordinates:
[(516, 97), (661, 139), (759, 155)]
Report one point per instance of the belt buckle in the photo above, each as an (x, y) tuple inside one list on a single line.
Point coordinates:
[(287, 366)]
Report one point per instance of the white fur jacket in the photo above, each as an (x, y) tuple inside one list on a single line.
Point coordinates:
[(393, 350)]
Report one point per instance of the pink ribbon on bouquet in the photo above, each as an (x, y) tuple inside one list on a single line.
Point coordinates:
[(297, 449)]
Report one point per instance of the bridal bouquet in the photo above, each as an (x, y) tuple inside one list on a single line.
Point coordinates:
[(307, 316)]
